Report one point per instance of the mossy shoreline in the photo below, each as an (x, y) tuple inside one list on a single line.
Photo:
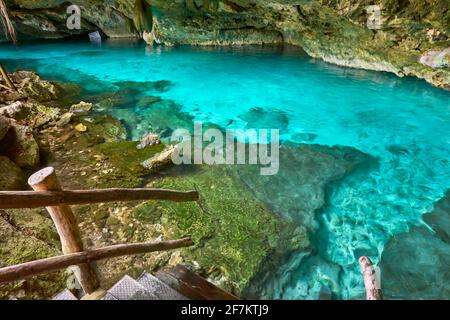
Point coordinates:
[(234, 233)]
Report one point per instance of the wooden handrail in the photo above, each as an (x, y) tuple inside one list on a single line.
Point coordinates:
[(32, 199), (34, 268), (48, 192)]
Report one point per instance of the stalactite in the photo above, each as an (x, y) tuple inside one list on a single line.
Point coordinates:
[(143, 16)]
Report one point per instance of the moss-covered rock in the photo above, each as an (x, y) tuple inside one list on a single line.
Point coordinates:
[(126, 160), (26, 236), (234, 233), (30, 84), (12, 177), (101, 129), (20, 146)]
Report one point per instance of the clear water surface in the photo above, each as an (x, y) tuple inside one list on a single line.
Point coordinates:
[(404, 123)]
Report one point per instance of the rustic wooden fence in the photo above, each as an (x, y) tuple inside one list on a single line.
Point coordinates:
[(48, 193)]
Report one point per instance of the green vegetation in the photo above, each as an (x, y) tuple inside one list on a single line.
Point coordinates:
[(126, 160), (27, 235), (234, 233)]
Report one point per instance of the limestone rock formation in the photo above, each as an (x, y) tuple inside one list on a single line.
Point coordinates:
[(436, 58), (336, 31), (4, 127), (15, 110), (20, 146), (81, 109), (149, 140), (32, 86), (12, 177)]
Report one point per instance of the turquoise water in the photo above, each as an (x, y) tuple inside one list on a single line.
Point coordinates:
[(403, 123)]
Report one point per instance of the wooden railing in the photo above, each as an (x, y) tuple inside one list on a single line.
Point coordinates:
[(48, 192)]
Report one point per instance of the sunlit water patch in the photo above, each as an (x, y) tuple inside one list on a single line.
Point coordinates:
[(403, 123)]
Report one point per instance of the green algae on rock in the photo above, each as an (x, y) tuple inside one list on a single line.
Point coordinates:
[(299, 188), (12, 177), (20, 146), (234, 233), (26, 235), (126, 159)]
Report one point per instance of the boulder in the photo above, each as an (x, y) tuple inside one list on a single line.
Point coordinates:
[(4, 127), (149, 140), (29, 83), (11, 177), (43, 114), (436, 58), (17, 110), (80, 127), (414, 264), (20, 146), (65, 119), (81, 109)]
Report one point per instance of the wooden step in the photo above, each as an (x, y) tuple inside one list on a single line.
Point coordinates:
[(179, 286), (193, 286), (159, 288)]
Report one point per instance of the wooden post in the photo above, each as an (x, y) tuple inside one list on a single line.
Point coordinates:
[(372, 284), (6, 78), (66, 225)]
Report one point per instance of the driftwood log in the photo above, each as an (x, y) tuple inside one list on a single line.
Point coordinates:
[(371, 282), (31, 199), (66, 226), (29, 269)]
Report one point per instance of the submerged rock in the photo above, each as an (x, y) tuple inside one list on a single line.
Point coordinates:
[(125, 160), (81, 109), (100, 129), (158, 86), (258, 118), (162, 118), (149, 140), (298, 190), (235, 234), (414, 265)]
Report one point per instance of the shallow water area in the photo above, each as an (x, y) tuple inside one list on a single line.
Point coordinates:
[(403, 125)]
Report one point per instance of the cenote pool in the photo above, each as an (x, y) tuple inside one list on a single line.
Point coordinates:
[(403, 125)]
